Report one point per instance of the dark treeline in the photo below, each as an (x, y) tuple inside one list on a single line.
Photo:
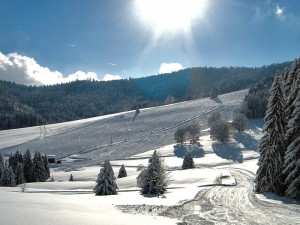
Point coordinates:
[(23, 106)]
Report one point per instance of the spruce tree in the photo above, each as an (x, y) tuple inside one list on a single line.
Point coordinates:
[(1, 164), (46, 166), (106, 181), (188, 162), (27, 167), (8, 177), (292, 155), (291, 77), (38, 169), (122, 172), (293, 93), (272, 147), (155, 176), (19, 176)]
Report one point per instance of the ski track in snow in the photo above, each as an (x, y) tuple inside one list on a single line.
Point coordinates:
[(233, 205)]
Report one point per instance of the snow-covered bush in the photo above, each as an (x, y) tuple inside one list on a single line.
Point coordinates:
[(220, 131), (239, 122)]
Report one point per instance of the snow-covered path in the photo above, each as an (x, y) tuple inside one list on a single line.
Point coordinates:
[(234, 205)]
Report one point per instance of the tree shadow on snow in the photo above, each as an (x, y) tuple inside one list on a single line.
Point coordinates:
[(247, 140), (230, 151), (217, 100), (196, 150)]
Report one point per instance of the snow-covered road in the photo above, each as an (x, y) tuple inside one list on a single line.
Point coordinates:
[(234, 205)]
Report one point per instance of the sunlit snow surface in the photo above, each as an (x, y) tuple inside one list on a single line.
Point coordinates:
[(84, 144)]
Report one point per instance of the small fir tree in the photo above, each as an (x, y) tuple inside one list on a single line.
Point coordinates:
[(188, 162), (27, 167), (8, 177), (106, 181), (46, 166), (122, 172), (19, 176), (155, 177), (38, 169)]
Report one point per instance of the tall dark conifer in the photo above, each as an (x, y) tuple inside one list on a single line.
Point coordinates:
[(27, 167), (272, 147)]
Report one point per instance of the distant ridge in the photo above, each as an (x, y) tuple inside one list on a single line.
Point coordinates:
[(23, 106)]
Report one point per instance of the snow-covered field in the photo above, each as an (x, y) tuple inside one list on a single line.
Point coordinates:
[(191, 196)]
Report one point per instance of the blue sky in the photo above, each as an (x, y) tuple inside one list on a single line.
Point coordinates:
[(50, 41)]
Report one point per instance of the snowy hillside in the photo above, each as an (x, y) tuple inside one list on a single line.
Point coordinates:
[(192, 195), (117, 135)]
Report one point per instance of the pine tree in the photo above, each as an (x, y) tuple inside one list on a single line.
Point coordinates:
[(272, 147), (19, 176), (8, 177), (1, 164), (291, 77), (106, 181), (122, 172), (292, 155), (293, 93), (46, 166), (188, 162), (155, 176), (38, 169), (27, 167)]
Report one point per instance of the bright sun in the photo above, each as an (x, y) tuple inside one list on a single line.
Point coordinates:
[(170, 15)]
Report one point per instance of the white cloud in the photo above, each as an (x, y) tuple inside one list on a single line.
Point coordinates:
[(25, 70), (169, 67), (108, 77)]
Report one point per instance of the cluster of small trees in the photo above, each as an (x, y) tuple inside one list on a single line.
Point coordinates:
[(279, 170), (187, 132), (20, 169), (152, 180), (220, 129)]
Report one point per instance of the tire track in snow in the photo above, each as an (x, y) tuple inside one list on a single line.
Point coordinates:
[(234, 205)]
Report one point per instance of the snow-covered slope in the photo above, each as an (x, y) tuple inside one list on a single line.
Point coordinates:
[(117, 135), (192, 196)]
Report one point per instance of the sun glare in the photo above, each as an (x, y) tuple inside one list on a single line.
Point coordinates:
[(170, 15)]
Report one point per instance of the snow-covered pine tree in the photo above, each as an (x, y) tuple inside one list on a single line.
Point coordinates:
[(291, 78), (122, 172), (1, 164), (27, 167), (46, 166), (38, 169), (272, 147), (286, 87), (106, 181), (155, 176), (19, 176), (293, 93), (292, 155), (188, 162), (8, 177)]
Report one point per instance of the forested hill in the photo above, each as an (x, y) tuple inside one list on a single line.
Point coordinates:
[(22, 106)]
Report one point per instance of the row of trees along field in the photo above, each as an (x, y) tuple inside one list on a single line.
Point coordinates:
[(23, 169), (23, 106), (279, 162)]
